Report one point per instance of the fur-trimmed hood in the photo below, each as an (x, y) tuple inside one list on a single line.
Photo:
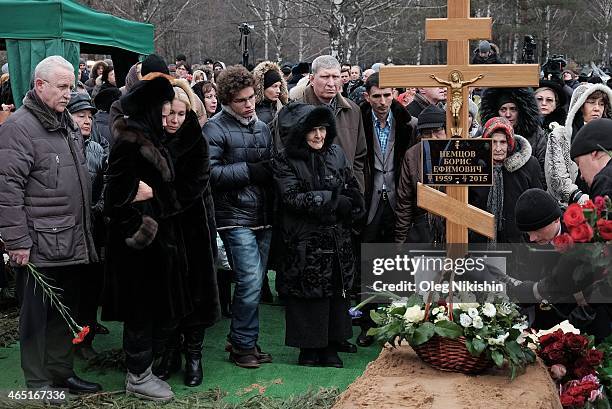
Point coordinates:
[(520, 156), (579, 97), (528, 119), (300, 118), (259, 73)]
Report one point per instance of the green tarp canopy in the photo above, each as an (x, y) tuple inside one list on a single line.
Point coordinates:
[(35, 29)]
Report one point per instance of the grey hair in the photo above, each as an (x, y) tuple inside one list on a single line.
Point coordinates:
[(51, 64), (325, 62)]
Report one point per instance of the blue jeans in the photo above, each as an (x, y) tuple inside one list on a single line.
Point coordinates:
[(247, 251)]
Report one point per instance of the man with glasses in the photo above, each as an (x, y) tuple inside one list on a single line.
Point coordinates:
[(45, 220), (241, 178)]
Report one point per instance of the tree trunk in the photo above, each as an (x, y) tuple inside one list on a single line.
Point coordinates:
[(516, 39)]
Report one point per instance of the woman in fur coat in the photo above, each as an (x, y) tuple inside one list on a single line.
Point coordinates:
[(189, 153), (319, 198), (146, 264), (270, 91), (589, 101), (519, 107), (514, 171)]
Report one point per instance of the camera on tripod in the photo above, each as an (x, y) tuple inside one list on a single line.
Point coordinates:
[(245, 29)]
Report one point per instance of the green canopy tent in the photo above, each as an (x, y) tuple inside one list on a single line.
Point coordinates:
[(34, 29)]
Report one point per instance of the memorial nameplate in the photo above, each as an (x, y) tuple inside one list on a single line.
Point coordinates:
[(457, 162)]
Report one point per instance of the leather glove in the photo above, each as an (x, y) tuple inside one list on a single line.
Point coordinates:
[(522, 293), (260, 172), (344, 207)]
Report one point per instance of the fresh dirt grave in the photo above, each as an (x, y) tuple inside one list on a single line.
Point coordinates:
[(398, 379)]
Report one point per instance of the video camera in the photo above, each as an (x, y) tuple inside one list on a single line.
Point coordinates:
[(553, 68), (529, 49), (245, 29)]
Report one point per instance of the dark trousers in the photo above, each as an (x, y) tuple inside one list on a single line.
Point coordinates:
[(142, 340), (44, 337), (91, 286), (380, 230)]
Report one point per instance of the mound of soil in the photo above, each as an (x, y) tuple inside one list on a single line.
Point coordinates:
[(398, 379)]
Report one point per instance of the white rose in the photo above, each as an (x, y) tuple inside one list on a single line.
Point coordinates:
[(414, 314), (465, 320), (489, 310), (472, 312), (477, 322)]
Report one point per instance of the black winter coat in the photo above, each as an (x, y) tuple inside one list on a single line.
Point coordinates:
[(520, 173), (316, 242), (189, 152), (602, 182), (151, 281), (238, 202)]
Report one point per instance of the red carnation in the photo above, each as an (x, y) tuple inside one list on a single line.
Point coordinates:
[(594, 357), (579, 400), (573, 216), (582, 233), (605, 229), (567, 400), (587, 386), (563, 242), (81, 335)]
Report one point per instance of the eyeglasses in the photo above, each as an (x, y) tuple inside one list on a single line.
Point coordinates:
[(244, 100), (63, 89)]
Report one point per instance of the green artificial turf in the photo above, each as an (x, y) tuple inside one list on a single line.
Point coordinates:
[(281, 379)]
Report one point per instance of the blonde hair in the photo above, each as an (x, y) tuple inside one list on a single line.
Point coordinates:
[(182, 96)]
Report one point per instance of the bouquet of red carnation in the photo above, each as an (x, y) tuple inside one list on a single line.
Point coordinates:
[(583, 393), (570, 356)]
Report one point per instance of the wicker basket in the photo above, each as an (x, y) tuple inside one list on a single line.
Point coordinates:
[(451, 355)]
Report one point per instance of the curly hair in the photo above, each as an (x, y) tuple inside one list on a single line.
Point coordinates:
[(231, 81)]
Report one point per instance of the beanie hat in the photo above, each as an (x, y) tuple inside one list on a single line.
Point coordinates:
[(484, 46), (535, 209), (431, 117), (271, 77), (504, 98), (499, 124), (301, 68), (79, 102), (153, 63), (105, 98), (594, 136)]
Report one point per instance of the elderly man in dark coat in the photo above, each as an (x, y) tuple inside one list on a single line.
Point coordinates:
[(591, 151)]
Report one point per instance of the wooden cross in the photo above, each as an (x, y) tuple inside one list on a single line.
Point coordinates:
[(458, 29)]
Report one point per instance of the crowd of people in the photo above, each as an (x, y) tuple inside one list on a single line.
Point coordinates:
[(120, 190)]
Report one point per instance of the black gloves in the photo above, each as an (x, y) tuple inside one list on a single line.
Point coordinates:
[(522, 293), (344, 207), (260, 172)]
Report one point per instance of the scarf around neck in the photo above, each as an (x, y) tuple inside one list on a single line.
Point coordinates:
[(50, 119), (244, 121), (495, 200)]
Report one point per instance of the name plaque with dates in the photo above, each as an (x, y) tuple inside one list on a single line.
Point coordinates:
[(457, 162)]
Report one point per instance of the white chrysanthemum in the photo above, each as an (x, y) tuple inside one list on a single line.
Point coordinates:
[(465, 320), (477, 322), (489, 310)]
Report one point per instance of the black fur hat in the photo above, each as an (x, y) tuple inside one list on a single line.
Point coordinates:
[(146, 94), (524, 98)]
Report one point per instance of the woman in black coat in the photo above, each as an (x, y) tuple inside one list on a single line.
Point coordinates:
[(189, 152), (514, 171), (146, 263), (319, 198)]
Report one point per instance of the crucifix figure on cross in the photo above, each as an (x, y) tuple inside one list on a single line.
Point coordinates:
[(458, 29), (456, 85)]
